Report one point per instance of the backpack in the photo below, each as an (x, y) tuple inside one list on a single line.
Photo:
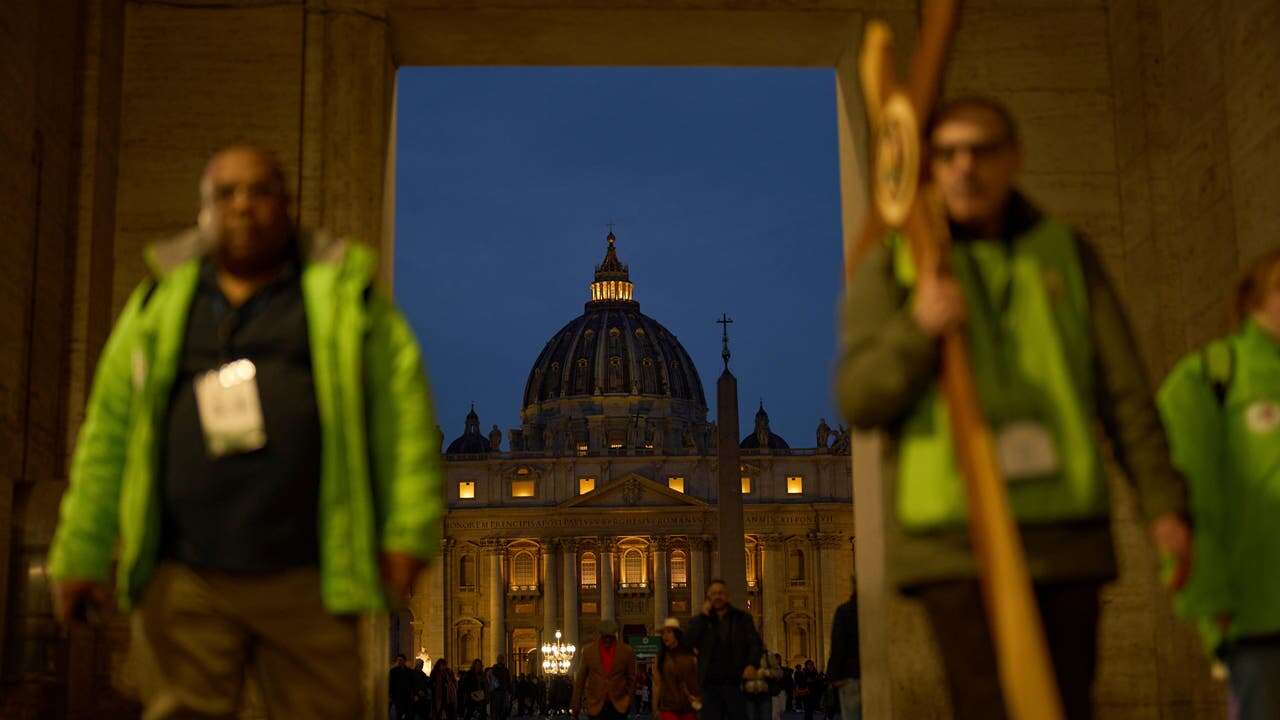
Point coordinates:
[(1218, 361)]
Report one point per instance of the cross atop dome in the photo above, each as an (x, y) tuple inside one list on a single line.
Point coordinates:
[(613, 280)]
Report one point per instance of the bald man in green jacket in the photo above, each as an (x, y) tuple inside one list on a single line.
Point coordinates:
[(258, 460)]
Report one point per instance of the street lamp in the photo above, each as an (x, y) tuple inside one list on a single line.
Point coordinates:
[(557, 657)]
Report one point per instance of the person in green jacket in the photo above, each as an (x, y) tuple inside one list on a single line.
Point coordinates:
[(258, 460), (1221, 407), (1053, 360)]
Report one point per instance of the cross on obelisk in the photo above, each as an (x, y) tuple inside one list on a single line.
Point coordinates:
[(733, 556), (726, 321), (902, 199)]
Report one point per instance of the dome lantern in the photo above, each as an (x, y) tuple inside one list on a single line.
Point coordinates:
[(613, 281)]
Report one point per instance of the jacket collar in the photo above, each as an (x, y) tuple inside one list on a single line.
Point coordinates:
[(314, 246), (1020, 216)]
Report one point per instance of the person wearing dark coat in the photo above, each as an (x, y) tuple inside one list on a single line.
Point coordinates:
[(473, 693), (844, 670), (729, 649)]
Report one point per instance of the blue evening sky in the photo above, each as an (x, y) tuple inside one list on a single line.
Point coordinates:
[(725, 190)]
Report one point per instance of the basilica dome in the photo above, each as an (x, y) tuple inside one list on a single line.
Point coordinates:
[(613, 349)]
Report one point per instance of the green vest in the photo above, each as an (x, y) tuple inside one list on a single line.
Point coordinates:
[(1029, 340)]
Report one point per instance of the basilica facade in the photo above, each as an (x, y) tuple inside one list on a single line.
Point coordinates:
[(603, 504)]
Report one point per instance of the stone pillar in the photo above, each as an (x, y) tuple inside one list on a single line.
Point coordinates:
[(549, 597), (605, 572), (497, 637), (569, 582), (697, 572), (661, 582), (434, 621), (773, 586), (831, 585)]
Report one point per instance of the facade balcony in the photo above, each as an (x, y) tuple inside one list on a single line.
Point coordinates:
[(633, 588), (679, 585), (797, 583), (520, 592), (588, 587)]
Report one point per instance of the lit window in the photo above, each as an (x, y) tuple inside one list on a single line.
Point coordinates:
[(586, 485), (589, 570), (615, 444), (633, 567), (751, 567), (795, 485), (522, 570), (676, 482), (522, 488), (582, 448), (679, 569), (467, 489), (746, 485), (522, 471)]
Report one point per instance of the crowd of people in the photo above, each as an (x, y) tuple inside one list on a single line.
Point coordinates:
[(715, 668)]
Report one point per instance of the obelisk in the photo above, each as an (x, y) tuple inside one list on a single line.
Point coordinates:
[(733, 563)]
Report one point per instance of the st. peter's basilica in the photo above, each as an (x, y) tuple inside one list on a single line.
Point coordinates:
[(602, 504)]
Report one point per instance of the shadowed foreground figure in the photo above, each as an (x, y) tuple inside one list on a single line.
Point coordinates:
[(1053, 358), (258, 445)]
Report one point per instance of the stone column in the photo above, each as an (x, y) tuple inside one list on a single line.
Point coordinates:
[(773, 584), (549, 597), (569, 583), (697, 573), (497, 638), (661, 582), (605, 572), (829, 589)]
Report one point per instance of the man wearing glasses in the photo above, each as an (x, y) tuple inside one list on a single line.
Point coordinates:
[(1053, 360), (258, 460)]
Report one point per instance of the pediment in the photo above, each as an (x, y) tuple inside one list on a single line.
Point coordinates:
[(633, 491)]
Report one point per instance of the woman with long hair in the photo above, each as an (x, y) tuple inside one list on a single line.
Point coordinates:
[(441, 679), (676, 695)]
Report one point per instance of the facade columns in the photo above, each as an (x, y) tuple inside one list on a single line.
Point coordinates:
[(773, 590), (497, 638), (605, 571), (697, 572), (831, 584), (569, 583), (661, 582), (549, 609)]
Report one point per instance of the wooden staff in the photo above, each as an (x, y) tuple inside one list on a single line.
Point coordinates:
[(901, 201)]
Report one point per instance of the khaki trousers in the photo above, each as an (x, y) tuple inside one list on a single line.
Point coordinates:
[(197, 634)]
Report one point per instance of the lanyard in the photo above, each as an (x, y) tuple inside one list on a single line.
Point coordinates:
[(993, 310)]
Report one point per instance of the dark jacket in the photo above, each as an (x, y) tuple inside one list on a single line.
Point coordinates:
[(731, 640), (844, 662), (887, 363)]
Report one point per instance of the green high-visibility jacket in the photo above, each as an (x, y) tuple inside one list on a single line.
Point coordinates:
[(1221, 409), (380, 479), (1029, 340)]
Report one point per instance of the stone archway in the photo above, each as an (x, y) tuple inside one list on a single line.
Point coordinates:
[(107, 149)]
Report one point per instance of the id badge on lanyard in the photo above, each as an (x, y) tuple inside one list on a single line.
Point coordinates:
[(230, 409)]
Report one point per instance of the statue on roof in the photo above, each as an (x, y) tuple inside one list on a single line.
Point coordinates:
[(495, 439), (824, 434)]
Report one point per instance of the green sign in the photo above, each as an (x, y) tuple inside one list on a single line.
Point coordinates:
[(645, 646)]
